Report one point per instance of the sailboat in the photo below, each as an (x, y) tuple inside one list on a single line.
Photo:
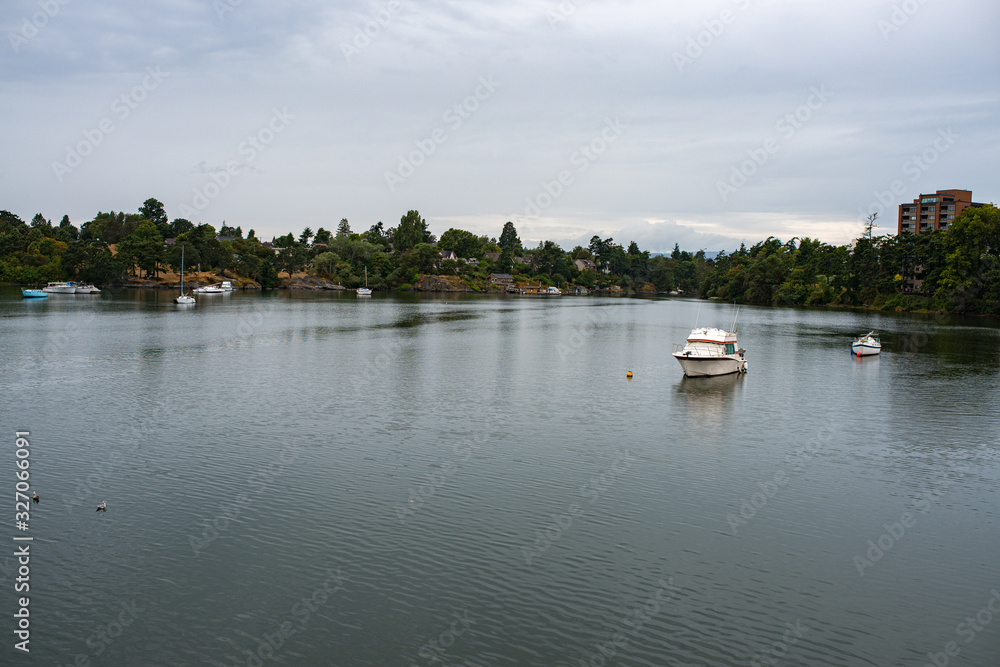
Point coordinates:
[(364, 291), (183, 298)]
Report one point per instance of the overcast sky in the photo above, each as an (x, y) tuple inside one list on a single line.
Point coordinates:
[(698, 123)]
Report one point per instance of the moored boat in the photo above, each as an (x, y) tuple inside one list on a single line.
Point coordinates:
[(60, 288), (553, 291), (86, 288), (182, 298), (208, 289), (867, 345), (365, 291), (34, 293), (709, 351)]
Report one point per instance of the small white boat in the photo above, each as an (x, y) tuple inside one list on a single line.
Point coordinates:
[(364, 291), (711, 351), (183, 298), (554, 291), (226, 286), (87, 289), (208, 289), (60, 288), (867, 345)]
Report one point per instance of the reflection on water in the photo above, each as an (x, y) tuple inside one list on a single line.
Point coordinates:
[(434, 438)]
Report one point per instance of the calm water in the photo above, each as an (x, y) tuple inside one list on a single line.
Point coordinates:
[(473, 481)]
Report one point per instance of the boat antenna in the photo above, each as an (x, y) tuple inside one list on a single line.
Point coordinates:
[(737, 314), (697, 315)]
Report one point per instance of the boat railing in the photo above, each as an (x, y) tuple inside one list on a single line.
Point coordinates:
[(701, 350)]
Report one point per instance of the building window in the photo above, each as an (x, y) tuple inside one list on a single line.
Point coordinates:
[(929, 200)]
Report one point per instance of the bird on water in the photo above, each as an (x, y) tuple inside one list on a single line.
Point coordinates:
[(103, 507), (34, 497)]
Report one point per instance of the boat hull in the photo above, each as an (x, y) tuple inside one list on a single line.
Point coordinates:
[(860, 350), (699, 366), (34, 294), (60, 289)]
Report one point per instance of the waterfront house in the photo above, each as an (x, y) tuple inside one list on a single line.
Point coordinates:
[(500, 279), (448, 254), (585, 265)]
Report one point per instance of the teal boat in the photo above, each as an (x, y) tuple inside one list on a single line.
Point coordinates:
[(34, 293)]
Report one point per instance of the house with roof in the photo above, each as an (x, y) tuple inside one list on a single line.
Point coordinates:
[(585, 265), (500, 279)]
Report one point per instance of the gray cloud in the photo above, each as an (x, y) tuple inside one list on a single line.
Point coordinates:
[(702, 89)]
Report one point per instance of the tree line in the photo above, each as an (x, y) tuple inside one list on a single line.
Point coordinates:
[(955, 270)]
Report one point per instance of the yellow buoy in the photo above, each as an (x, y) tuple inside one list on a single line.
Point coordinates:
[(629, 375)]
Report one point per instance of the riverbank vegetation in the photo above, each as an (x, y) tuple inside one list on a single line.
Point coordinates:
[(954, 270)]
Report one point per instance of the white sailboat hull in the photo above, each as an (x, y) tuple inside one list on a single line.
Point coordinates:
[(859, 349)]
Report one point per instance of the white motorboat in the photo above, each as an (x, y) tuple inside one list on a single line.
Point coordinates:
[(867, 345), (60, 288), (711, 351), (554, 291), (208, 289), (226, 286), (87, 289), (183, 298), (364, 291)]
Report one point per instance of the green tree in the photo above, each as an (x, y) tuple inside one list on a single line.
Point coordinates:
[(343, 228), (145, 247), (152, 210), (322, 236), (179, 226), (509, 240), (461, 242), (305, 236), (411, 231), (422, 257)]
